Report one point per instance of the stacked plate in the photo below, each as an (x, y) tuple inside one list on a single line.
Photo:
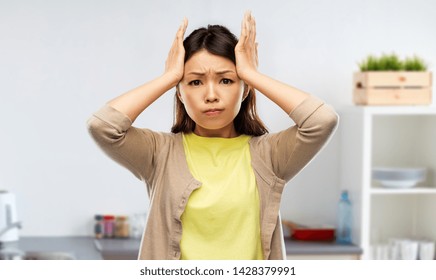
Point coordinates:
[(392, 177)]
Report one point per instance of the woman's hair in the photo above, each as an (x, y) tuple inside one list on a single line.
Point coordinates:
[(220, 41)]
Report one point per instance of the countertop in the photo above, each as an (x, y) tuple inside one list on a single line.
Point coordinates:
[(81, 247), (118, 249), (128, 248), (89, 248), (294, 247)]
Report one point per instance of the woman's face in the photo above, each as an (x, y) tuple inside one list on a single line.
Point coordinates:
[(212, 94)]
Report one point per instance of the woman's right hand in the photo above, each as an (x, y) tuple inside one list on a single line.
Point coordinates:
[(175, 64)]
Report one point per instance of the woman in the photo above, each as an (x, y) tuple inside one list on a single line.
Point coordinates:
[(216, 181)]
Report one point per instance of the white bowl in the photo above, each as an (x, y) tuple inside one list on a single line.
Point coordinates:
[(391, 177)]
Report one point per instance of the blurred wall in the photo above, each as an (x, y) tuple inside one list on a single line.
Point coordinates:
[(62, 60)]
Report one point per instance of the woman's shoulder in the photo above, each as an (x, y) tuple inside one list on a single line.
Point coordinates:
[(160, 135), (260, 140)]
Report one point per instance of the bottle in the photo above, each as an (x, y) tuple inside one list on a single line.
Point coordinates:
[(345, 223), (98, 227), (122, 227)]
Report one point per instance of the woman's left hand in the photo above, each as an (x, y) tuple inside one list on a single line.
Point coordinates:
[(246, 49)]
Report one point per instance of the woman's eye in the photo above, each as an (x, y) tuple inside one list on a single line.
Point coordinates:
[(194, 83), (226, 81)]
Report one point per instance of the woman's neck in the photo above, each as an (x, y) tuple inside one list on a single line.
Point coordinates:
[(225, 132)]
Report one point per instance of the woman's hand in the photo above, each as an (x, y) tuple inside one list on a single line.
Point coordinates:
[(135, 101), (174, 65), (285, 96), (246, 49)]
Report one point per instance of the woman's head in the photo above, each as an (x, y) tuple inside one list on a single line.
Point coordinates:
[(211, 96)]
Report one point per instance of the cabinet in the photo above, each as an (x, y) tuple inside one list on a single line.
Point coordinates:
[(397, 136)]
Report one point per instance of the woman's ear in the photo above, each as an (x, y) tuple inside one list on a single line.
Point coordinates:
[(178, 94), (246, 91)]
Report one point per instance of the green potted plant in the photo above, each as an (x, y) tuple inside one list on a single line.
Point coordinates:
[(388, 80)]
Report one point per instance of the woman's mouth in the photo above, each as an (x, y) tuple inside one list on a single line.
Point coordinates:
[(213, 112)]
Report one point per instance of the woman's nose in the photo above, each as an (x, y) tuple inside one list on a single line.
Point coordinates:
[(211, 95)]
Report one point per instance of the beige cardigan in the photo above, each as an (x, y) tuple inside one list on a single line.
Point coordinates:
[(159, 160)]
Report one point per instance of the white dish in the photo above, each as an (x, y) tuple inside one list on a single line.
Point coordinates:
[(391, 177)]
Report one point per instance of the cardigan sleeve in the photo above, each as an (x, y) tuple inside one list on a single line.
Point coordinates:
[(132, 147), (293, 148)]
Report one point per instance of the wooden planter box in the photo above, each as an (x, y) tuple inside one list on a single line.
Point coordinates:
[(392, 88)]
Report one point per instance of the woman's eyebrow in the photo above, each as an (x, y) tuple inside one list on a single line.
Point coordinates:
[(225, 72), (216, 72)]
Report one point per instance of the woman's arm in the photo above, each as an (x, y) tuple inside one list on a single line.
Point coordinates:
[(285, 96), (133, 102), (111, 126)]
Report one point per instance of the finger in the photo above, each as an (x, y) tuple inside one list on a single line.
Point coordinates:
[(256, 55), (178, 41), (252, 30), (175, 41), (247, 26), (243, 37), (182, 29), (185, 25), (246, 15)]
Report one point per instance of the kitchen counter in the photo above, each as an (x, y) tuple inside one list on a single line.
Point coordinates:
[(118, 249), (81, 247), (296, 248), (89, 248)]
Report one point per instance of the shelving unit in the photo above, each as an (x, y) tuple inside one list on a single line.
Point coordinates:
[(415, 190), (395, 136)]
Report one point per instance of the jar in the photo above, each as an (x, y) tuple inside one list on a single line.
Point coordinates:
[(98, 227), (109, 225), (122, 227)]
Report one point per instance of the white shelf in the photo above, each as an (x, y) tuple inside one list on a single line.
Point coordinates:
[(397, 136), (414, 190), (392, 110)]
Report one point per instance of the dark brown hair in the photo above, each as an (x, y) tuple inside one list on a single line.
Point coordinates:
[(218, 40)]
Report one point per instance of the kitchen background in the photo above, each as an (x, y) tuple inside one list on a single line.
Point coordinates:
[(62, 60)]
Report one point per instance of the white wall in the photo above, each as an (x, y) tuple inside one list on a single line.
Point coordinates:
[(62, 60)]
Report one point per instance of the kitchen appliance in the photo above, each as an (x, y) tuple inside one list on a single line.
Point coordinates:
[(9, 224)]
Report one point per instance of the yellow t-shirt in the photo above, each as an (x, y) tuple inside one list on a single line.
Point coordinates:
[(222, 217)]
